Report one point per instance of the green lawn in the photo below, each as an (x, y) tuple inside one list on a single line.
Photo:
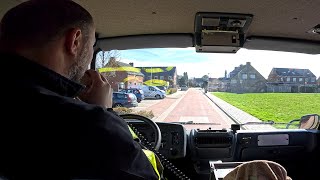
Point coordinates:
[(280, 107)]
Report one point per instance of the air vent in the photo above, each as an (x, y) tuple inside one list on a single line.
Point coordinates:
[(215, 141)]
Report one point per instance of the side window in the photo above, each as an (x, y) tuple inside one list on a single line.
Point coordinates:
[(122, 96), (244, 76)]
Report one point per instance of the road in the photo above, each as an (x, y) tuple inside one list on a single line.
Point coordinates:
[(184, 106)]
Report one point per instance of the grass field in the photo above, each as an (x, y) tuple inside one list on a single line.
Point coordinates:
[(279, 107)]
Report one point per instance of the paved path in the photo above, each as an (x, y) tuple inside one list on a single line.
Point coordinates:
[(194, 106)]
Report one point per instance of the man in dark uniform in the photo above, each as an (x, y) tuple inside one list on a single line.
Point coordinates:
[(46, 132)]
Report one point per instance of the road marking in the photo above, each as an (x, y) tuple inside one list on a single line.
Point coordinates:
[(163, 116)]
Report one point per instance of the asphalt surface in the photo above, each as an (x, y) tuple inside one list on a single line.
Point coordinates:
[(188, 106)]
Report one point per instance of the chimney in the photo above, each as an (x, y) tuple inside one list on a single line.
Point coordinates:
[(248, 63), (131, 64)]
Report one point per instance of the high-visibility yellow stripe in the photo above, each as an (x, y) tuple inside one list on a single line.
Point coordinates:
[(126, 69), (152, 158), (134, 136), (156, 82), (153, 70), (169, 68), (130, 78), (150, 155)]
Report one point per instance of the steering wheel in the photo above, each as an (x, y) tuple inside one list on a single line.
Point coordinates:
[(154, 127)]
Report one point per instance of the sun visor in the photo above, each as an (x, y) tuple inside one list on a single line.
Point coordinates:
[(281, 44), (146, 41)]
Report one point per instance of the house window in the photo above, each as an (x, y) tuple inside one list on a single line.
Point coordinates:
[(170, 77), (313, 79), (288, 79), (252, 76), (155, 77), (162, 77), (294, 79), (244, 76), (300, 79), (233, 81)]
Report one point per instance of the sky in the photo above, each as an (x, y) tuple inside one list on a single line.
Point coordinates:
[(215, 64)]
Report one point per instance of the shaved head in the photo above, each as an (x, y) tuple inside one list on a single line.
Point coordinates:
[(37, 22), (65, 25)]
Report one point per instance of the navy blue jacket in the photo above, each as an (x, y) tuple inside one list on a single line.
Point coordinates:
[(46, 134)]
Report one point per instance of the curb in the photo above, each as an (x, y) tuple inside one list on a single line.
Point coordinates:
[(229, 115)]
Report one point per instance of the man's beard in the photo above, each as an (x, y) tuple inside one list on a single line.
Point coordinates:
[(80, 66)]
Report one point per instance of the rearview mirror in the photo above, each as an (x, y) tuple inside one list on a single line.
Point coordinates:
[(310, 121)]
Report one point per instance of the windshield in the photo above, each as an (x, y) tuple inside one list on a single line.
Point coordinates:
[(262, 89)]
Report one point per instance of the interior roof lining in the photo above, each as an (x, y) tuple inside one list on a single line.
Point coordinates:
[(187, 40)]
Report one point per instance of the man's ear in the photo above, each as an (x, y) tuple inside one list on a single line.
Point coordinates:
[(73, 41)]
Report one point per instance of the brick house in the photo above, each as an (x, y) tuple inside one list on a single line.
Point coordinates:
[(122, 75), (163, 76), (291, 80), (225, 84), (214, 84), (245, 79)]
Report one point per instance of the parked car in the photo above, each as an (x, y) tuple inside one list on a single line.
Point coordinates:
[(138, 92), (122, 99), (162, 88), (153, 92), (184, 88)]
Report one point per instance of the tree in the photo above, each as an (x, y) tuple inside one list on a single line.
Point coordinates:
[(104, 58), (185, 77), (108, 59), (181, 80), (205, 80)]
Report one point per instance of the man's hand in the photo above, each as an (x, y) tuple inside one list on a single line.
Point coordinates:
[(98, 90)]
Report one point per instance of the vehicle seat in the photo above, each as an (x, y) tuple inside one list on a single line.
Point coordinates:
[(258, 170)]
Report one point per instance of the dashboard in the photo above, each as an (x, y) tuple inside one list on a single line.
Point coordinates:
[(201, 147), (228, 145), (174, 138)]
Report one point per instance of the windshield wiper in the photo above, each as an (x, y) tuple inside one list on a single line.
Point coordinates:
[(191, 122), (270, 122)]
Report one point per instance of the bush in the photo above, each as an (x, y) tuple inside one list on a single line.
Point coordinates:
[(148, 114), (124, 110), (172, 90)]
